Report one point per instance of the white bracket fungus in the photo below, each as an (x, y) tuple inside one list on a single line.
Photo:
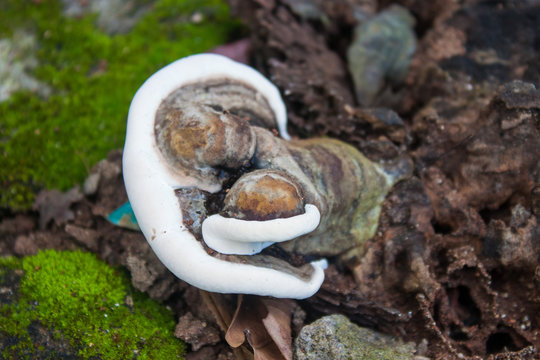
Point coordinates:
[(248, 237), (151, 182)]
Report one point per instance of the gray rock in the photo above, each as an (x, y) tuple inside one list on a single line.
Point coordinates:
[(335, 337), (380, 54), (113, 16), (17, 62), (308, 10)]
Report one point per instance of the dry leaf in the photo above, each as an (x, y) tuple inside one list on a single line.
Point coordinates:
[(223, 314), (266, 324), (278, 323), (219, 307)]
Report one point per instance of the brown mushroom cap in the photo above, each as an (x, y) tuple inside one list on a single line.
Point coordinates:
[(200, 136), (264, 195)]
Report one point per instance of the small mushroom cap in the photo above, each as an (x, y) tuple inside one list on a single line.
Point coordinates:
[(151, 185), (263, 195)]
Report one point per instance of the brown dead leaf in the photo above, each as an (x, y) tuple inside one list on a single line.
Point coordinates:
[(223, 314), (219, 307), (266, 324), (278, 323)]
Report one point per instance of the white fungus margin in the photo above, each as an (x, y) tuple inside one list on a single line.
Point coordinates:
[(247, 237), (150, 184)]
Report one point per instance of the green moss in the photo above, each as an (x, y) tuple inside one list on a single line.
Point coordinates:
[(83, 300), (53, 142)]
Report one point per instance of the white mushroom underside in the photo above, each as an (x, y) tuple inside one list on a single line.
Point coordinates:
[(150, 184), (248, 237)]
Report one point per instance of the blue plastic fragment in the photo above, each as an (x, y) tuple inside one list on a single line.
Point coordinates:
[(124, 217)]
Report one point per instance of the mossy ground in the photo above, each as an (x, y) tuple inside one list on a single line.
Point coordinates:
[(53, 142), (83, 300)]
